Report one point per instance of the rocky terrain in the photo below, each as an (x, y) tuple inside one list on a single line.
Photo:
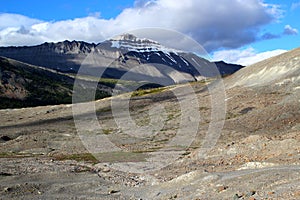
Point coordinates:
[(44, 154)]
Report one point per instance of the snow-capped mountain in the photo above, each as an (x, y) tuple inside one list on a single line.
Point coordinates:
[(140, 59), (129, 42)]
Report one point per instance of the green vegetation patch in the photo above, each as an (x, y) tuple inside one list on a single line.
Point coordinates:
[(112, 157), (121, 156), (16, 155), (87, 157), (141, 92)]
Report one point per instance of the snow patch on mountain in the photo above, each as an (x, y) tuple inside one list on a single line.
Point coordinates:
[(132, 43)]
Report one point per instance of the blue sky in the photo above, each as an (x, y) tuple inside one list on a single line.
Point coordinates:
[(65, 9), (235, 31)]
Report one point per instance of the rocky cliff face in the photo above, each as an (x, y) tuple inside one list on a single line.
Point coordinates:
[(12, 85), (61, 56)]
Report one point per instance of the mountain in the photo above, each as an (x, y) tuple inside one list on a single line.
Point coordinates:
[(23, 85), (120, 55), (61, 56), (268, 92)]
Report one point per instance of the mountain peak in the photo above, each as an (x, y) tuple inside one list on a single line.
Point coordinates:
[(125, 36), (130, 42), (130, 38)]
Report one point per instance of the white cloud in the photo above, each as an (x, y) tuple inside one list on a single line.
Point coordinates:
[(213, 24), (246, 56), (15, 20), (288, 30)]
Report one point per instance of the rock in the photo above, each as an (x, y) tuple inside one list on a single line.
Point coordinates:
[(251, 193), (271, 193), (222, 188), (105, 169), (256, 165), (236, 196), (113, 191), (7, 189), (5, 138), (5, 174)]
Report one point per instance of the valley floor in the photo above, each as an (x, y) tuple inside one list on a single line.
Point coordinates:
[(256, 157)]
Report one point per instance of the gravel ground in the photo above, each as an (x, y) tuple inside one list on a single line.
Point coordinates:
[(257, 155)]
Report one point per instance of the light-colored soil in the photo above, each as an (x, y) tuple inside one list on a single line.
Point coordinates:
[(257, 155)]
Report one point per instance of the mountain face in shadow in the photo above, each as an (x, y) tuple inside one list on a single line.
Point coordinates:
[(23, 85)]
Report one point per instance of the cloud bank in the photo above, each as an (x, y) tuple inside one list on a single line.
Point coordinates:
[(246, 56), (230, 24)]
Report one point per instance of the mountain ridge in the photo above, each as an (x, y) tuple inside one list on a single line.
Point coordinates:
[(123, 52)]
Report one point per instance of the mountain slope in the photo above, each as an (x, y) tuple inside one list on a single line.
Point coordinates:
[(23, 85), (120, 55), (272, 91)]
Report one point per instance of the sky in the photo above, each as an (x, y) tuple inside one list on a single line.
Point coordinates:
[(235, 31)]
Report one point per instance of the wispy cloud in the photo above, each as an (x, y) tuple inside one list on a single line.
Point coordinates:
[(213, 24), (270, 36), (288, 30), (295, 5)]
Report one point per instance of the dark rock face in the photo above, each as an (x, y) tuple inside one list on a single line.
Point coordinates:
[(59, 56), (122, 53), (227, 69)]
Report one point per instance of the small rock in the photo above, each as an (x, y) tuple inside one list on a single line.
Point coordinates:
[(222, 188), (105, 170), (271, 193), (297, 194), (251, 193), (7, 189), (5, 138), (5, 174), (237, 196), (113, 191)]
